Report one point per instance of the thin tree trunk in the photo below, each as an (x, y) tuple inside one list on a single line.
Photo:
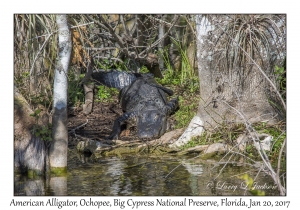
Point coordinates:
[(59, 147), (161, 32)]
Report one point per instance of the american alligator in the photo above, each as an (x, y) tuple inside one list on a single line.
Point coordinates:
[(143, 100)]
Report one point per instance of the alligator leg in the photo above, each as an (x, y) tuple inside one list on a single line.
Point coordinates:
[(166, 90), (118, 122), (171, 106)]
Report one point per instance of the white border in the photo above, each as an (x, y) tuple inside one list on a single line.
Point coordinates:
[(153, 6)]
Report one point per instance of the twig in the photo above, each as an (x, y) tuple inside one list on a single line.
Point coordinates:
[(282, 190), (39, 52), (115, 36), (164, 22), (74, 129), (83, 25), (224, 166), (100, 49), (179, 165), (173, 170), (162, 38), (260, 151)]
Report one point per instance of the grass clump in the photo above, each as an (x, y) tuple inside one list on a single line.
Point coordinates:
[(185, 84), (188, 92)]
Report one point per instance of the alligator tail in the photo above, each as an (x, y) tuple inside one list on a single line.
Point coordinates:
[(114, 78)]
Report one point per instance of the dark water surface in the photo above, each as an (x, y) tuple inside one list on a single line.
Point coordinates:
[(144, 175)]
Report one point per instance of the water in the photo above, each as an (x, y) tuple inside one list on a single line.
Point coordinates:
[(144, 175)]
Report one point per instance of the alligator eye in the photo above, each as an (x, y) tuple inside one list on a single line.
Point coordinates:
[(155, 117)]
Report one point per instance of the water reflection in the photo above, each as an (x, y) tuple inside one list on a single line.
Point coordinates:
[(140, 175), (58, 185), (25, 186)]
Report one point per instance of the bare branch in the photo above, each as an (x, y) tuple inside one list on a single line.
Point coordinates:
[(117, 38), (281, 188), (162, 38), (80, 126), (38, 53), (260, 151), (164, 22)]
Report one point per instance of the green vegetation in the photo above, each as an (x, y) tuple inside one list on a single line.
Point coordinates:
[(75, 90), (188, 109), (104, 94), (279, 134), (59, 171), (44, 132), (228, 134), (195, 141), (34, 173), (280, 74), (108, 64), (185, 84)]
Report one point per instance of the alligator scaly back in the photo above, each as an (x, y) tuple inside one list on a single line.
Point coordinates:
[(143, 100)]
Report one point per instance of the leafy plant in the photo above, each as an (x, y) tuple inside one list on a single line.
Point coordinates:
[(250, 149), (186, 71), (170, 78), (186, 77), (36, 114), (186, 112), (144, 70), (280, 74), (278, 132), (43, 132), (198, 140), (105, 94), (164, 54)]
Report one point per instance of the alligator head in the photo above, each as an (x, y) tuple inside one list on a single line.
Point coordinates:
[(151, 124)]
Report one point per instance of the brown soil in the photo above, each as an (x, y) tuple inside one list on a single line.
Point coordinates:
[(98, 124)]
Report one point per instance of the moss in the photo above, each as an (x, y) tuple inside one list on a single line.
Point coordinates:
[(34, 173), (121, 151), (59, 171)]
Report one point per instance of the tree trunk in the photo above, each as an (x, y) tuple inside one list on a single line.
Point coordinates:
[(29, 150), (161, 45), (236, 95), (59, 147), (89, 98), (240, 95)]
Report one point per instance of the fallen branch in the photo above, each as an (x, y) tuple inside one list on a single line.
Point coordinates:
[(80, 126)]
